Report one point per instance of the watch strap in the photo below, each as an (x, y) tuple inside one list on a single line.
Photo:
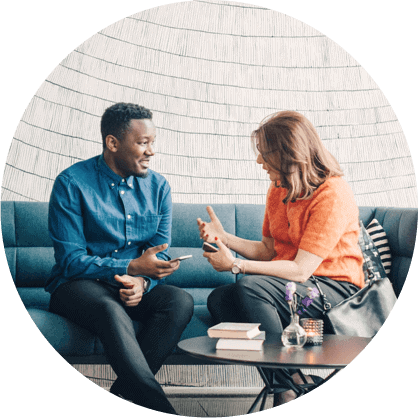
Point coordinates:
[(147, 282)]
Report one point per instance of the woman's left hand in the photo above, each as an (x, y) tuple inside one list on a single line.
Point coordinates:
[(223, 259)]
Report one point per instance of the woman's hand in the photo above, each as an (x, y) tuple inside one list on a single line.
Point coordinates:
[(208, 231), (223, 259)]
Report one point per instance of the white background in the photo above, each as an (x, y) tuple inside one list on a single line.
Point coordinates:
[(36, 36)]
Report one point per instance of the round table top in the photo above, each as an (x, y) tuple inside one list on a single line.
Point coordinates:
[(336, 352)]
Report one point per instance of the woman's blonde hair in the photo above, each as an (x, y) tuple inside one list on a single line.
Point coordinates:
[(289, 143)]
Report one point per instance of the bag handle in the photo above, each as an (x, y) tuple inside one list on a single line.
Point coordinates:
[(327, 305)]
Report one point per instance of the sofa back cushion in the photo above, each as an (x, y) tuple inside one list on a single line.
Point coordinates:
[(197, 272), (30, 254)]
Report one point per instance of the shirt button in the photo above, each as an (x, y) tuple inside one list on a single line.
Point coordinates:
[(113, 185), (129, 243), (116, 251), (130, 185), (123, 180), (122, 192), (129, 216), (98, 280)]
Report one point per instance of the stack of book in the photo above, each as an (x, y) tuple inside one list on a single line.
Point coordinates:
[(237, 336)]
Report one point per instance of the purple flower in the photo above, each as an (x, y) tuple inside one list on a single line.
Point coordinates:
[(306, 301), (291, 286)]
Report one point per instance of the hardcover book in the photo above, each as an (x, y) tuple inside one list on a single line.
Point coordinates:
[(255, 344), (234, 330)]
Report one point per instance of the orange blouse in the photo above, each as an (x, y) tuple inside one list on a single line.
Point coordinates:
[(326, 225)]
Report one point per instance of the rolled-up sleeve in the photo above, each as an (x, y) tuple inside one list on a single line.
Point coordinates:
[(65, 222)]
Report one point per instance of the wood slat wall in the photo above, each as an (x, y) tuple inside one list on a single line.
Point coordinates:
[(211, 71)]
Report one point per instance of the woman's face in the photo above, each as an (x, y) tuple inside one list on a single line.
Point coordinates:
[(274, 175)]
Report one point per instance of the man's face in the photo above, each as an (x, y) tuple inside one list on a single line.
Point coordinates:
[(135, 149)]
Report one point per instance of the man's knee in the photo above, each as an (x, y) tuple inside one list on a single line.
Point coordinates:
[(185, 301), (177, 301)]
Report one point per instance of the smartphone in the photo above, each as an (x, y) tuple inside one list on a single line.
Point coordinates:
[(184, 257), (209, 248)]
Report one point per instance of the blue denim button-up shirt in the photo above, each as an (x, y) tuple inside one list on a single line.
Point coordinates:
[(99, 221)]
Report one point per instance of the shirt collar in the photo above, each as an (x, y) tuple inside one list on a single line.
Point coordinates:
[(114, 179)]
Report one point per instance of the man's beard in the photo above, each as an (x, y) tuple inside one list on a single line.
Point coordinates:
[(142, 175)]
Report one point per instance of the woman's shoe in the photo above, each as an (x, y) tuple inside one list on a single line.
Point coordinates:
[(284, 397)]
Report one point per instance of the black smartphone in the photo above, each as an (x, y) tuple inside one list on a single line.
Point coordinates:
[(209, 248)]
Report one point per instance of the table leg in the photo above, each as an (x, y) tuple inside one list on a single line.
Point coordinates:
[(286, 383), (270, 387)]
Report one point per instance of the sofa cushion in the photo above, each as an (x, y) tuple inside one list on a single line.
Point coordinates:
[(250, 221), (8, 224), (196, 271), (31, 220), (34, 297), (372, 264), (400, 226), (379, 237), (366, 214), (65, 336), (199, 324), (33, 266), (185, 232)]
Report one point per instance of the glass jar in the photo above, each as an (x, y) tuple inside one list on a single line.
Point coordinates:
[(294, 335), (314, 330)]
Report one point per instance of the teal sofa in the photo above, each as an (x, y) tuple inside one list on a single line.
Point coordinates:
[(30, 258)]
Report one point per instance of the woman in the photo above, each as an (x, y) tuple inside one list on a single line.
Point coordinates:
[(310, 228)]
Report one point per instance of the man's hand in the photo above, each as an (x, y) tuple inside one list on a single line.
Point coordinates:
[(134, 289), (149, 265)]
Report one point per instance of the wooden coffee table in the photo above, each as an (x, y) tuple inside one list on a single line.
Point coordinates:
[(335, 353)]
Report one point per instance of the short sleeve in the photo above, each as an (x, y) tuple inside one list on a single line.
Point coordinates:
[(331, 215), (266, 225)]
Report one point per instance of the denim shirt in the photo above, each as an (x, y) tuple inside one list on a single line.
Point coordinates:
[(99, 221)]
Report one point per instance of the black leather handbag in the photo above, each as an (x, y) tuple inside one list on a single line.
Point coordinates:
[(363, 313)]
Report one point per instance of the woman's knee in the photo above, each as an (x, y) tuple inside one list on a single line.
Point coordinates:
[(249, 287), (219, 297), (249, 283)]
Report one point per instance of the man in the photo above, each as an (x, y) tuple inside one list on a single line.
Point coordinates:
[(110, 222)]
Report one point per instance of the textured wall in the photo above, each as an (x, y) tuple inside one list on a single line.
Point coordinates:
[(211, 71)]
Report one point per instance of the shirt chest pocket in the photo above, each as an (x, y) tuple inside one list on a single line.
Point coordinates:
[(145, 227)]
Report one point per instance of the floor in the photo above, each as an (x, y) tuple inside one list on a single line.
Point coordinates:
[(213, 406), (200, 390), (210, 403)]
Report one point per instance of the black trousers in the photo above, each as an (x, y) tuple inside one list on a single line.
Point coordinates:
[(164, 314), (261, 299)]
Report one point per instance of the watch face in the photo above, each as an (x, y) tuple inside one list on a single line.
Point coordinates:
[(235, 270)]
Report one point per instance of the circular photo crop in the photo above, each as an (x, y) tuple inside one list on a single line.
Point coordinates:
[(230, 126)]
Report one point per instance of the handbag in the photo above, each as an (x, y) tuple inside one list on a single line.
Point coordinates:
[(363, 313)]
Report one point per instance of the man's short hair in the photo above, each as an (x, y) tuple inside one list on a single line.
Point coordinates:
[(117, 118)]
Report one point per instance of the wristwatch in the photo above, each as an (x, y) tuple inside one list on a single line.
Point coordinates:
[(147, 282), (236, 267)]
